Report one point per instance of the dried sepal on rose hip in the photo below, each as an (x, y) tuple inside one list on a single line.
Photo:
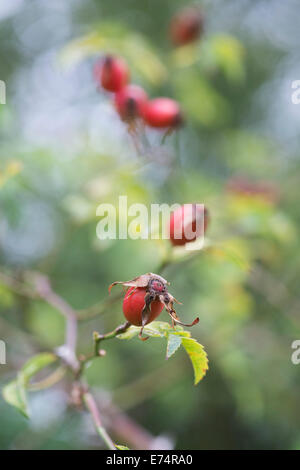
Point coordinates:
[(130, 103), (145, 299)]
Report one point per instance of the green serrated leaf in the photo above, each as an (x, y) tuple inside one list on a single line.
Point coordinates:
[(197, 356), (175, 336), (119, 447), (174, 342), (14, 392)]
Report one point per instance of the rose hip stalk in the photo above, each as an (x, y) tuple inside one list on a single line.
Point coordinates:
[(145, 299), (130, 102)]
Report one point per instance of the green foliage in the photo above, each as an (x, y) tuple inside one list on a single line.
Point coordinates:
[(119, 447), (175, 337), (217, 53), (15, 392), (197, 356), (174, 342), (201, 100), (228, 53)]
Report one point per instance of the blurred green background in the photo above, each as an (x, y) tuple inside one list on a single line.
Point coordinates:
[(64, 151)]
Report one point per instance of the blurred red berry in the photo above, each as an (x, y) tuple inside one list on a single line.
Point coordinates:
[(133, 304), (186, 26), (245, 187), (130, 102), (162, 113), (188, 223), (112, 73)]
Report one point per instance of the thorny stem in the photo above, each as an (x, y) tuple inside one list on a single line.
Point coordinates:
[(42, 290), (45, 291), (99, 353), (91, 406)]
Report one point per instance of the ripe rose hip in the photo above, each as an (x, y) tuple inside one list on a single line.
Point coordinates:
[(112, 73), (147, 296), (130, 102), (133, 305), (186, 224), (186, 26), (162, 113)]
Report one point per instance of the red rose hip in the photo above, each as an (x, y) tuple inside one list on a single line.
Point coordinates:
[(188, 223), (112, 73), (133, 305), (162, 113), (130, 102), (186, 26)]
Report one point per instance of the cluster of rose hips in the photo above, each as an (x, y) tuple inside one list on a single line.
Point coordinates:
[(147, 295), (131, 101)]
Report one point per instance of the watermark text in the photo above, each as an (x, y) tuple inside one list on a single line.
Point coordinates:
[(2, 352), (295, 97), (138, 221), (2, 92), (295, 357)]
